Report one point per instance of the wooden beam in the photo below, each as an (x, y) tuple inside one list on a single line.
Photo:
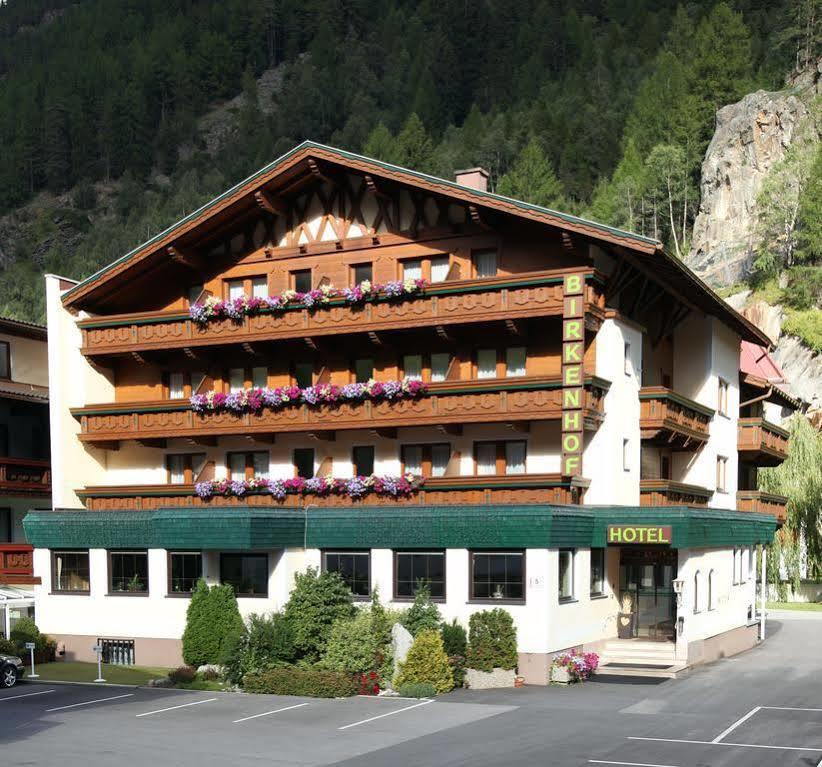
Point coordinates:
[(191, 354), (317, 171), (203, 441), (186, 258), (372, 187), (137, 357), (452, 429), (444, 334), (522, 427), (476, 217), (374, 338), (249, 349), (386, 433), (113, 445), (152, 442), (271, 204), (514, 327), (323, 436)]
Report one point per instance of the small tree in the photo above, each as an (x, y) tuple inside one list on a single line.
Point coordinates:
[(427, 662), (212, 622), (423, 614), (492, 640), (352, 645), (317, 601), (454, 638)]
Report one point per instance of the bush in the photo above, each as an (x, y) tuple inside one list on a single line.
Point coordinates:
[(182, 675), (457, 663), (25, 630), (213, 623), (417, 690), (427, 662), (352, 645), (310, 682), (454, 638), (316, 602), (265, 642), (370, 683), (423, 615), (492, 640), (7, 647), (210, 675)]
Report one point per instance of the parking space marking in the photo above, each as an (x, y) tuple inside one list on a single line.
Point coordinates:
[(390, 713), (171, 708), (89, 702), (736, 724), (26, 695), (268, 713), (789, 708), (737, 745), (629, 764)]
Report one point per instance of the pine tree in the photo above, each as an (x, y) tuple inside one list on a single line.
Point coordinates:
[(532, 179), (415, 149), (380, 145)]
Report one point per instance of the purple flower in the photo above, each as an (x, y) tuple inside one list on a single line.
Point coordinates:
[(356, 487), (237, 487), (355, 391), (393, 289), (204, 489), (277, 488)]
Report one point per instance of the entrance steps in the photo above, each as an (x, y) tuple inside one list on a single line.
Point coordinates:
[(637, 657)]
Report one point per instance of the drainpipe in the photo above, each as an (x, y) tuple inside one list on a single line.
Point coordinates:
[(757, 399), (764, 593)]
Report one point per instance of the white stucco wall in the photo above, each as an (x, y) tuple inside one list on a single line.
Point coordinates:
[(28, 359)]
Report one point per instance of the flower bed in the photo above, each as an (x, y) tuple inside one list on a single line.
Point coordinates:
[(255, 400), (574, 666), (246, 306), (353, 487)]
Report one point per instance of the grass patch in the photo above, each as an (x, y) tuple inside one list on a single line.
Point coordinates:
[(811, 607), (807, 325), (74, 671)]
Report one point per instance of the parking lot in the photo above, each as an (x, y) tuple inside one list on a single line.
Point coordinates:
[(761, 709)]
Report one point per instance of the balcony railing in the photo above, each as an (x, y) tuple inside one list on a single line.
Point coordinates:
[(534, 294), (761, 442), (17, 564), (666, 492), (761, 502), (671, 420), (507, 400), (519, 489), (25, 476)]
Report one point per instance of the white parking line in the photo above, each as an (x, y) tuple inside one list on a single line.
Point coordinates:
[(736, 724), (27, 695), (738, 745), (171, 708), (390, 713), (89, 702), (789, 708), (268, 713), (629, 764)]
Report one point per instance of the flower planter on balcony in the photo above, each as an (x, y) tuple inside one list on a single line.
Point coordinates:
[(25, 476), (761, 502), (761, 442), (17, 564), (671, 420), (666, 492)]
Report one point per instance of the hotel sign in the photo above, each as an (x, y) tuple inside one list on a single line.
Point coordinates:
[(634, 534), (573, 350)]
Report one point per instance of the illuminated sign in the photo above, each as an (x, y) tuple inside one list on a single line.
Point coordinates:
[(633, 534), (573, 351)]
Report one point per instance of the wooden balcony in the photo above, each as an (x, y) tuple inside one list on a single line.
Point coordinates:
[(25, 476), (761, 502), (762, 443), (666, 492), (668, 419), (519, 489), (17, 564), (535, 294), (450, 403)]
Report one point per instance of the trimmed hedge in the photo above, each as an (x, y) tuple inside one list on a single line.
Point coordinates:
[(309, 682), (417, 690), (492, 640), (213, 623)]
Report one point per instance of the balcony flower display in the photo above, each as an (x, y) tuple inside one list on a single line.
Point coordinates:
[(574, 666), (255, 400), (352, 487), (235, 309)]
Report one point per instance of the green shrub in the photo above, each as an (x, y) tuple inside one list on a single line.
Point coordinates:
[(492, 640), (7, 647), (316, 602), (310, 682), (417, 690), (213, 623), (265, 641), (25, 630), (423, 615), (454, 638), (210, 675), (427, 662), (183, 674), (352, 645)]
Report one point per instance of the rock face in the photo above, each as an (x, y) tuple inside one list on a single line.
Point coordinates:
[(751, 137)]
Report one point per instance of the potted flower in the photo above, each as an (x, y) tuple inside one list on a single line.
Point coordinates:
[(625, 619), (573, 666)]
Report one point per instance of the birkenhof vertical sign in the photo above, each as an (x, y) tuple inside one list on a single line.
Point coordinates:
[(573, 349)]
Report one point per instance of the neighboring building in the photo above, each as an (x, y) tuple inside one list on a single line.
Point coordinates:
[(577, 439), (25, 478)]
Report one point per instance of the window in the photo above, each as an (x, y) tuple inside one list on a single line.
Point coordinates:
[(259, 287), (426, 460), (197, 379), (507, 457), (304, 462), (236, 379), (363, 369), (485, 263), (304, 374), (176, 465), (515, 361), (412, 366), (412, 270), (498, 575), (194, 293), (236, 466), (626, 455), (515, 458), (246, 573), (629, 368), (749, 563), (721, 474), (70, 572), (722, 397), (128, 572), (566, 574), (362, 273), (711, 595), (246, 465), (486, 458), (184, 468), (259, 377), (440, 458), (440, 362), (301, 280), (176, 386), (185, 568), (354, 567), (597, 572), (696, 591), (412, 459), (412, 568), (486, 363), (362, 459), (439, 268), (260, 463), (236, 289), (5, 525)]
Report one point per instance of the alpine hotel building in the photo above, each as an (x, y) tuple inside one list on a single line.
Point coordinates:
[(349, 365)]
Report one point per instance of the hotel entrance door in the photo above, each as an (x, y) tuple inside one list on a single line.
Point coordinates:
[(646, 594)]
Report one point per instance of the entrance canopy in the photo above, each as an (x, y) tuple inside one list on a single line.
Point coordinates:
[(14, 604)]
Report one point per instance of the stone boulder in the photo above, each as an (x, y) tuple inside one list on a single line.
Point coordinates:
[(401, 641)]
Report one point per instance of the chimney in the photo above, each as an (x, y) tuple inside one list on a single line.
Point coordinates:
[(476, 178)]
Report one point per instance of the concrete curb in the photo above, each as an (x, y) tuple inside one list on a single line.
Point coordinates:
[(82, 684)]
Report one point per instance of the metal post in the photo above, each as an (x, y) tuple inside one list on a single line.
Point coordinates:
[(763, 592), (99, 650), (30, 647)]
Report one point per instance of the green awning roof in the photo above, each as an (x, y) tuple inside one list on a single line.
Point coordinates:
[(396, 527)]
